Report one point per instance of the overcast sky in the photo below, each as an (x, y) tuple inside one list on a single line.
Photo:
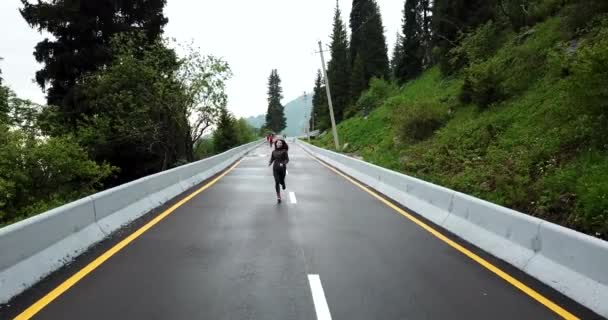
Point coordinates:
[(253, 36)]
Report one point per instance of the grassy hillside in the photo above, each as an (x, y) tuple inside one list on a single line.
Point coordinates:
[(522, 124)]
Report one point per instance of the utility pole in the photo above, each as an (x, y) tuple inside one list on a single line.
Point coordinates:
[(306, 123), (313, 117), (331, 107)]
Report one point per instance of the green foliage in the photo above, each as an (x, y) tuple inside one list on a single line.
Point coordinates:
[(589, 71), (275, 115), (204, 148), (367, 44), (478, 45), (137, 113), (244, 132), (379, 90), (203, 82), (338, 70), (409, 64), (419, 121), (4, 103), (229, 134), (543, 151), (225, 136), (82, 32), (526, 13), (583, 194), (397, 55), (37, 175), (579, 14), (483, 85), (513, 69), (373, 136), (358, 82), (451, 18), (320, 110)]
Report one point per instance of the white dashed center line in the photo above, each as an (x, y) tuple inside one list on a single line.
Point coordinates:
[(318, 297), (292, 197)]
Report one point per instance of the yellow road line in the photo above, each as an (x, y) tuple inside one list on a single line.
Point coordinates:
[(67, 284), (486, 264)]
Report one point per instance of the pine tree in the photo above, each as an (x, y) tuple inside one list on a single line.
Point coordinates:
[(368, 43), (320, 111), (409, 65), (358, 82), (82, 31), (338, 70), (427, 42), (275, 116), (397, 54), (225, 136), (4, 107), (451, 18)]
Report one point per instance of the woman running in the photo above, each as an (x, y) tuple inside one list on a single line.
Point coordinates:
[(280, 158)]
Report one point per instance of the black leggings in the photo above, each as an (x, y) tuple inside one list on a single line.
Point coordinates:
[(279, 177)]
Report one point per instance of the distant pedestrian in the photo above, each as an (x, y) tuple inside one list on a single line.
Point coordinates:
[(279, 159), (270, 138)]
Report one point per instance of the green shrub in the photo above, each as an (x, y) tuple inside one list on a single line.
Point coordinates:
[(525, 13), (588, 83), (513, 69), (37, 175), (579, 189), (245, 132), (379, 90), (203, 148), (580, 13), (419, 121), (592, 192), (478, 45), (483, 85)]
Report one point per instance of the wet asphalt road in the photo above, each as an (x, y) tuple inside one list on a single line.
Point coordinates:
[(233, 253)]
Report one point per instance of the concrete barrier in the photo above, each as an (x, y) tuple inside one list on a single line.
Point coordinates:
[(573, 263), (33, 248)]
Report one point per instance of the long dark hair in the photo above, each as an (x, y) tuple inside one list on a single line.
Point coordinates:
[(284, 147)]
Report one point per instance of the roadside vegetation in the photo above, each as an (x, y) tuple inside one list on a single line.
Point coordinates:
[(513, 111), (121, 104)]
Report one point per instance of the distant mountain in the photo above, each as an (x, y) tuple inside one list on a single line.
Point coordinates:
[(257, 121), (295, 112)]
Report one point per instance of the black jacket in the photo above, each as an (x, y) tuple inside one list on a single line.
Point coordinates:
[(279, 156)]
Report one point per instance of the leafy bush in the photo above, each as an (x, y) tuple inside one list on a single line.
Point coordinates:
[(379, 90), (4, 103), (203, 148), (482, 85), (513, 69), (579, 189), (592, 191), (245, 132), (525, 13), (419, 121), (589, 70), (580, 13), (37, 175), (477, 45)]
